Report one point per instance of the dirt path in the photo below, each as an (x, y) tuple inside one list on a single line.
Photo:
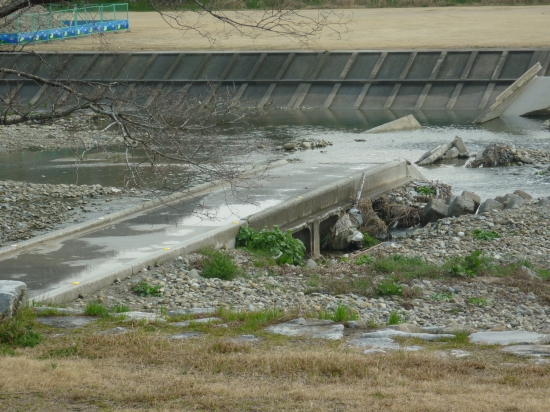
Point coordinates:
[(408, 28)]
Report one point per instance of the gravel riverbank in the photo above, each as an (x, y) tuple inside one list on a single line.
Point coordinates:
[(519, 300), (28, 210)]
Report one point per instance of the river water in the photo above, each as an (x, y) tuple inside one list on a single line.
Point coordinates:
[(342, 128)]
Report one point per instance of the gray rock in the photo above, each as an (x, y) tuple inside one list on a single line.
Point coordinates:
[(528, 350), (114, 331), (435, 209), (513, 204), (458, 353), (384, 336), (13, 295), (321, 329), (187, 335), (244, 339), (376, 343), (193, 274), (65, 322), (452, 153), (506, 337), (475, 198), (311, 263), (186, 323), (459, 144), (143, 316), (545, 203), (489, 205), (289, 146), (61, 311), (523, 195), (461, 206), (523, 159)]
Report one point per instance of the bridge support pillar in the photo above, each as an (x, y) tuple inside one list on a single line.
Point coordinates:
[(315, 238)]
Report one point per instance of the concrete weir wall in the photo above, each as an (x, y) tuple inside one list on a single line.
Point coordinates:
[(412, 80), (307, 217)]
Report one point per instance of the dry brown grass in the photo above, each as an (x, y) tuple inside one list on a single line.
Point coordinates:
[(146, 371)]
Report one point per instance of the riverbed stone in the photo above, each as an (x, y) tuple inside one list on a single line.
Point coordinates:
[(65, 322), (528, 350), (435, 209), (462, 205), (489, 205), (505, 338), (311, 328)]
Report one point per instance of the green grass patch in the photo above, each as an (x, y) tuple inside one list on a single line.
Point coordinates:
[(250, 321), (369, 241), (281, 245), (144, 289), (96, 309), (388, 287), (480, 301), (219, 265), (470, 266), (341, 313), (120, 308), (425, 190), (364, 260), (442, 296), (407, 267), (395, 318), (18, 331), (479, 234)]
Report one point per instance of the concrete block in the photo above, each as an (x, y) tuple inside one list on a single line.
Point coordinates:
[(507, 97), (404, 123), (474, 197), (434, 155), (489, 205), (435, 209), (13, 295), (462, 206), (459, 144), (452, 153)]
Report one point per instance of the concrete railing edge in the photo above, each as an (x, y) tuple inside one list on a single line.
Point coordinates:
[(110, 218), (217, 238)]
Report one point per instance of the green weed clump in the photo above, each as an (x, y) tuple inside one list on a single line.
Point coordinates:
[(388, 287), (219, 265), (369, 241), (395, 318), (280, 245), (425, 190), (485, 235), (250, 321), (364, 260), (469, 266), (17, 331), (341, 313), (407, 267), (96, 309), (143, 289)]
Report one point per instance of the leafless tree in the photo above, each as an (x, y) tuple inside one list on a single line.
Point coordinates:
[(168, 130)]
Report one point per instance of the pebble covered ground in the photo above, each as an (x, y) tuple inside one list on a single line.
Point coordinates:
[(28, 210), (520, 301)]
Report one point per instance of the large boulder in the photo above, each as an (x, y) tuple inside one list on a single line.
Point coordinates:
[(476, 199), (462, 206), (452, 153), (523, 195), (435, 209), (489, 205), (434, 154), (13, 295), (461, 147)]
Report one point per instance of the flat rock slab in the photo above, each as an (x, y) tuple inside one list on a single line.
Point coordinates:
[(62, 311), (186, 323), (146, 316), (311, 328), (65, 322), (383, 339), (115, 331), (192, 311), (244, 339), (506, 337), (187, 335), (528, 350)]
